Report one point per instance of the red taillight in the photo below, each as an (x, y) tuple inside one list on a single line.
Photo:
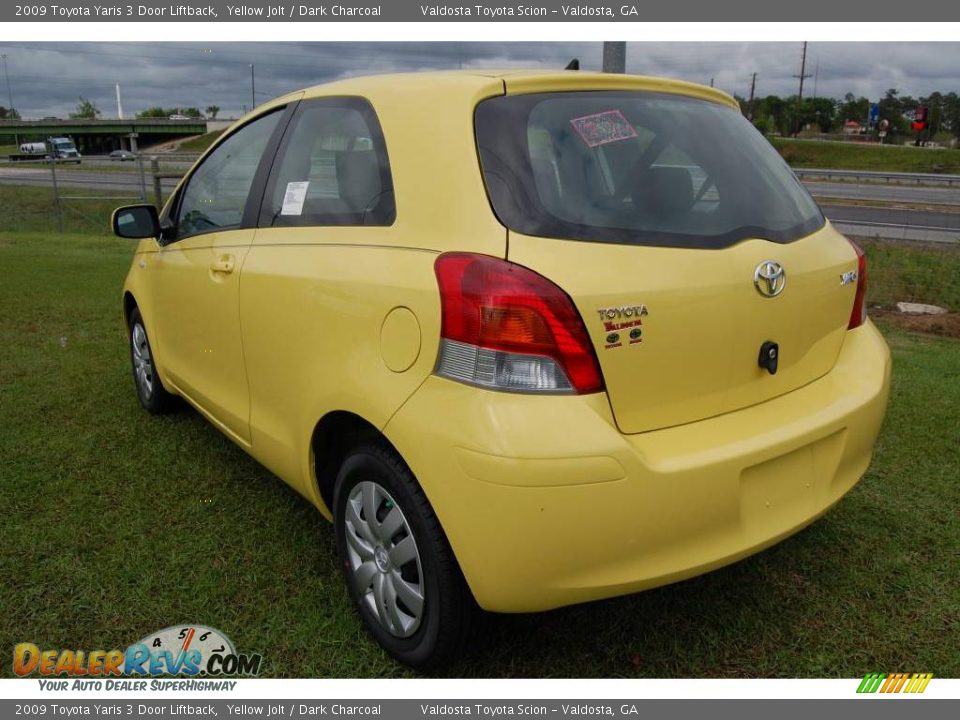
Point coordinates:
[(506, 327), (858, 315)]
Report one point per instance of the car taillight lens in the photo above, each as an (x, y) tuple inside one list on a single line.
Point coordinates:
[(506, 327), (858, 315)]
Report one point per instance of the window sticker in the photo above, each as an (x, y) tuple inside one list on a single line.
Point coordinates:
[(293, 198), (603, 128)]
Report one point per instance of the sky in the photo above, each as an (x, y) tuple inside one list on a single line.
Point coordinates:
[(45, 79)]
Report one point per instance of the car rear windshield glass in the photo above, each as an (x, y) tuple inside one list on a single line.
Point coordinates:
[(637, 167)]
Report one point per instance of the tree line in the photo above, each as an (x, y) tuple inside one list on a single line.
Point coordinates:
[(88, 110), (190, 112), (778, 115), (772, 115)]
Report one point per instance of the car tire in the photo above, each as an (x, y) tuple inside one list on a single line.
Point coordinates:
[(385, 574), (153, 397)]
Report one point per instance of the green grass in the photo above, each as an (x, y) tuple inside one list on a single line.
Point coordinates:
[(859, 156), (912, 272), (117, 523), (26, 208), (200, 143)]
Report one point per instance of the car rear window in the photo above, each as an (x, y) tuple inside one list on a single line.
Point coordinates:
[(639, 168)]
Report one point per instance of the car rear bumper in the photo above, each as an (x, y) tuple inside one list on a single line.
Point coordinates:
[(545, 503)]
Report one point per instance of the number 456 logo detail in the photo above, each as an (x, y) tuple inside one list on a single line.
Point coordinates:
[(189, 650)]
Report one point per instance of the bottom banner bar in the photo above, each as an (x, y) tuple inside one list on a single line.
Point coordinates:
[(879, 709)]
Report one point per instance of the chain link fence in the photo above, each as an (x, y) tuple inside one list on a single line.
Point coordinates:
[(50, 196)]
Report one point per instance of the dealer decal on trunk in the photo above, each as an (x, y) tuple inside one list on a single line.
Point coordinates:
[(625, 317)]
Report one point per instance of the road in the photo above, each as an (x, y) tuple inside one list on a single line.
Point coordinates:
[(895, 223), (886, 193), (118, 180), (125, 177), (893, 217), (937, 216)]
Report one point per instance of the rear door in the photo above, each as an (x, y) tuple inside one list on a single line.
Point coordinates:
[(683, 239), (691, 349)]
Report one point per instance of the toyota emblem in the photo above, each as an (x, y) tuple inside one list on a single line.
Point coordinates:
[(769, 278)]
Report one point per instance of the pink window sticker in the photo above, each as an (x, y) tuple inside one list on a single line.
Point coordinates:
[(603, 128)]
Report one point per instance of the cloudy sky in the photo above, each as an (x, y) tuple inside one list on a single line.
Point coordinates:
[(46, 78)]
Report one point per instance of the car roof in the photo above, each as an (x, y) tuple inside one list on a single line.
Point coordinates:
[(510, 81)]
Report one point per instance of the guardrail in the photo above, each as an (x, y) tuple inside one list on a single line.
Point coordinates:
[(873, 176)]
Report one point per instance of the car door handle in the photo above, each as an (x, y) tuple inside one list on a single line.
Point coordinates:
[(224, 264)]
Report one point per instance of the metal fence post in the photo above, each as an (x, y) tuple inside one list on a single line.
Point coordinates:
[(143, 177), (157, 190), (56, 194)]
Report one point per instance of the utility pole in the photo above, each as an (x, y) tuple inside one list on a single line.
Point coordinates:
[(614, 57), (802, 76), (253, 90), (6, 73), (753, 86)]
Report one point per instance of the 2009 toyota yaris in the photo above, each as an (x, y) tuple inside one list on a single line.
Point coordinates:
[(528, 339)]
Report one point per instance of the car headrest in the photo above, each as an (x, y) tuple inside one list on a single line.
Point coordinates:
[(358, 177), (547, 181), (296, 166)]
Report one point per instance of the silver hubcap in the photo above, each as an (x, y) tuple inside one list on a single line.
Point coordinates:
[(384, 559), (142, 362)]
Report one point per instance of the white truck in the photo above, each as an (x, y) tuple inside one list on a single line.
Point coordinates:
[(61, 149)]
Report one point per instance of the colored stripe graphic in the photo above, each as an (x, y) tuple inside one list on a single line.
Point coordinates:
[(894, 683), (919, 682)]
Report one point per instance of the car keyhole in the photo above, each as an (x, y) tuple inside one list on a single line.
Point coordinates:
[(769, 356)]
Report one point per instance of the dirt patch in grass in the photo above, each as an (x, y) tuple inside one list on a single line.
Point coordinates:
[(943, 325)]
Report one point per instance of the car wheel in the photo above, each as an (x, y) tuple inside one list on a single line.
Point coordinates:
[(398, 566), (150, 391)]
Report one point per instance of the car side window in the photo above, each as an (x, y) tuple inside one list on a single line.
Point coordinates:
[(333, 169), (216, 194)]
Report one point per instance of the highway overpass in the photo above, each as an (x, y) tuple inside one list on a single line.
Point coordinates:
[(100, 136)]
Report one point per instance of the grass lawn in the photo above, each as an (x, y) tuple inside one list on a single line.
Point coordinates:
[(31, 208), (200, 143), (117, 523), (861, 156), (912, 272)]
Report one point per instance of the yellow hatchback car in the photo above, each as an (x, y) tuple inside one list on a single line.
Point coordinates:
[(527, 339)]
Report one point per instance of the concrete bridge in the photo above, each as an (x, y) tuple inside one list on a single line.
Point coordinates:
[(102, 136)]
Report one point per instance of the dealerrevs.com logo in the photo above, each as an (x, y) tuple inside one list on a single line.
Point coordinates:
[(178, 650)]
